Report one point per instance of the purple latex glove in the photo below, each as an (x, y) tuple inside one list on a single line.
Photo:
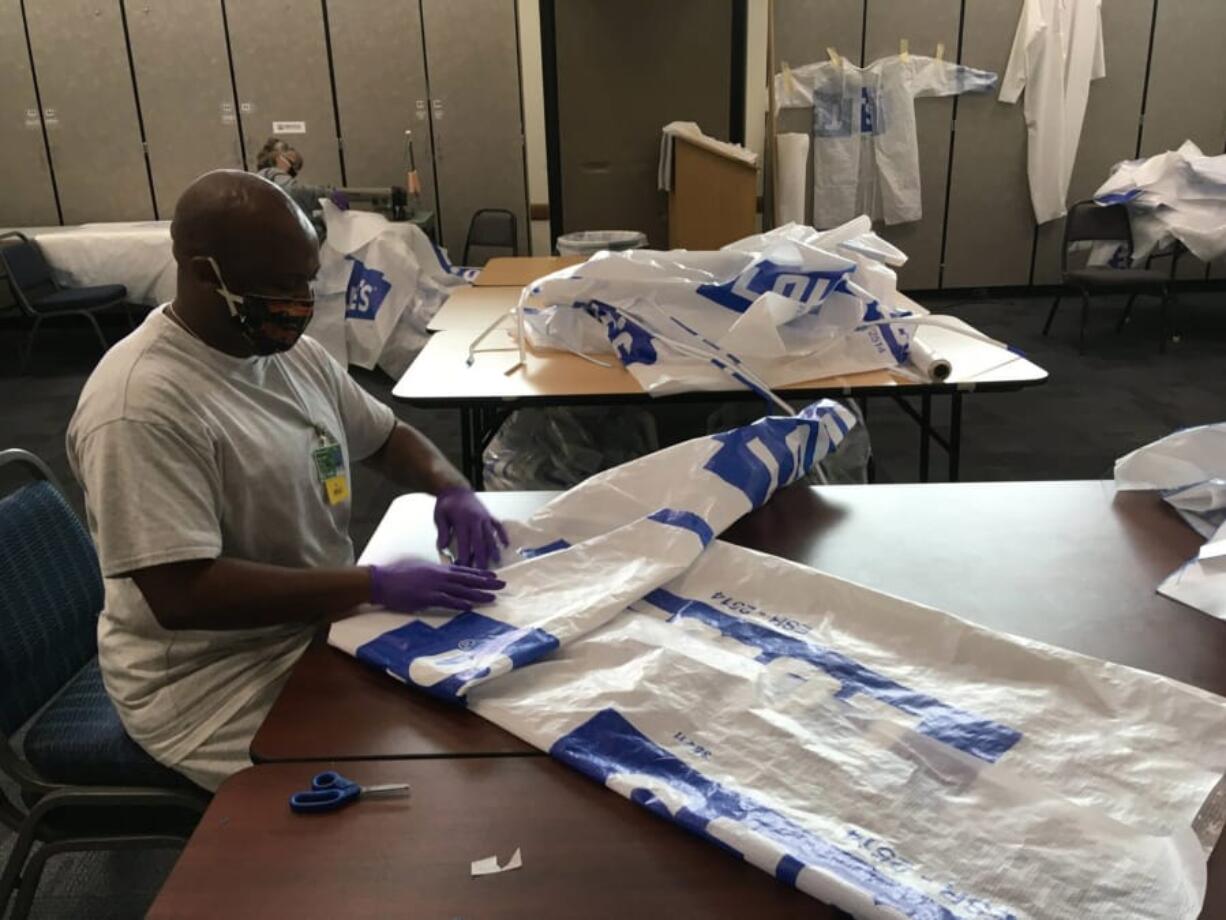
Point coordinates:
[(340, 199), (412, 584), (459, 513)]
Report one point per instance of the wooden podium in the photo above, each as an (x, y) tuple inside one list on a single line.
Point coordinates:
[(714, 199)]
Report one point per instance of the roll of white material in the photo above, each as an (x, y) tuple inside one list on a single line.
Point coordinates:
[(793, 157), (930, 364)]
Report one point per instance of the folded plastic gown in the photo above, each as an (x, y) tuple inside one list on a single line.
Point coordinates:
[(874, 753), (1177, 195), (1189, 468), (379, 285), (773, 309)]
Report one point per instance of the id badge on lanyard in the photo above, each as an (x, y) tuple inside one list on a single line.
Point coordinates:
[(329, 462)]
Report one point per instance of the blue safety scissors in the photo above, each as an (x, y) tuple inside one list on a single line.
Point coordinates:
[(330, 791)]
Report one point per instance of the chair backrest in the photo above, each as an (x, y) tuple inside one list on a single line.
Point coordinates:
[(495, 228), (1089, 221), (28, 273), (50, 594)]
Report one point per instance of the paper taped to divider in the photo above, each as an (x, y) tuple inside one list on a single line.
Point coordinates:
[(874, 753), (792, 153)]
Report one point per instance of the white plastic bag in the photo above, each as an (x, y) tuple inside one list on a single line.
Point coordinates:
[(877, 754), (559, 448), (1176, 195), (387, 280), (1189, 468)]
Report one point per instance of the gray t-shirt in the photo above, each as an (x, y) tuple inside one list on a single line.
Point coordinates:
[(185, 452)]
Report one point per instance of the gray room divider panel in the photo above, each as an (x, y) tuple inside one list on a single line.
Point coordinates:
[(187, 99), (990, 231), (90, 110), (923, 25), (473, 54), (624, 71), (26, 196), (1112, 117), (1187, 85), (380, 70), (281, 74), (804, 29)]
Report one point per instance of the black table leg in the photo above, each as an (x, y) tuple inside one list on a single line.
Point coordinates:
[(466, 443), (955, 435), (871, 472), (480, 427), (925, 435)]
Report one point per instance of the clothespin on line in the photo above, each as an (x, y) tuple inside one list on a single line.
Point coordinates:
[(789, 79), (940, 55), (834, 57), (904, 49)]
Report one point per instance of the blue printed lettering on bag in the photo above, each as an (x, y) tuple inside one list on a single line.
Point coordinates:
[(366, 291)]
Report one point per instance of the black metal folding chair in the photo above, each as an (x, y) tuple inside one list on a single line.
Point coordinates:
[(1088, 221), (492, 228), (40, 298)]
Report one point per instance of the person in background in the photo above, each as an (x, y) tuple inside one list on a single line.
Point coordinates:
[(281, 164), (214, 446)]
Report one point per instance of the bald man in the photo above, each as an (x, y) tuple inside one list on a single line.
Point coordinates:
[(214, 446)]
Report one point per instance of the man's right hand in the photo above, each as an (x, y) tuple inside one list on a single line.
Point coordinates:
[(409, 585)]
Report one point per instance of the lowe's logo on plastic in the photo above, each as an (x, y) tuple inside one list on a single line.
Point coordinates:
[(807, 287), (366, 291), (631, 341)]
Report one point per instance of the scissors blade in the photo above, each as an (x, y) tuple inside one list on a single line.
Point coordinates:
[(387, 789)]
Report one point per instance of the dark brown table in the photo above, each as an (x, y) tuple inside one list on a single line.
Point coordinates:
[(1070, 563), (587, 852)]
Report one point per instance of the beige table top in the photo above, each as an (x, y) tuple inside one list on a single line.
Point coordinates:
[(516, 271), (441, 373), (473, 308)]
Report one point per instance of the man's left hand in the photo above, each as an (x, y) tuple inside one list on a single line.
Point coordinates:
[(459, 514)]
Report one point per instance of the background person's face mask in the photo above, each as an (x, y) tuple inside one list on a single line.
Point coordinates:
[(271, 324)]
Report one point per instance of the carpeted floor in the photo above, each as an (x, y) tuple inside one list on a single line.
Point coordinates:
[(1119, 395)]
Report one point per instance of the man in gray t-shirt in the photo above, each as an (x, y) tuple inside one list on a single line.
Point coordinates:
[(214, 445)]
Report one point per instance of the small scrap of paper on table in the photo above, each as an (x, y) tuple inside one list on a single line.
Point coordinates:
[(489, 865)]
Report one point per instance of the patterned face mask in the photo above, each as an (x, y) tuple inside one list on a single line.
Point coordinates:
[(271, 324)]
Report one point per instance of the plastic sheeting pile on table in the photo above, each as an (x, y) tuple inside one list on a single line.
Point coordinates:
[(1189, 468), (1177, 195), (877, 754), (779, 308)]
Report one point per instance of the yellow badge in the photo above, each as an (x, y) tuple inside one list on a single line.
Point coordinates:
[(337, 488)]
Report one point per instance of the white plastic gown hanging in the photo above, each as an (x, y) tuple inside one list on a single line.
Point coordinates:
[(1057, 52), (919, 766), (865, 147)]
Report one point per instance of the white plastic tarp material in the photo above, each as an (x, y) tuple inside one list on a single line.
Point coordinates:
[(379, 284), (1177, 195), (778, 308), (1189, 468), (874, 753), (138, 255)]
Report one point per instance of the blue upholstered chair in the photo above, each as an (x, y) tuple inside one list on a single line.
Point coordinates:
[(83, 783), (40, 298)]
